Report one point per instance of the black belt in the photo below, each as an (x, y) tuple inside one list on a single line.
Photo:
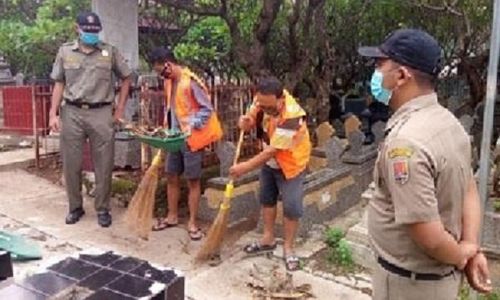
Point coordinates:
[(85, 105), (409, 274)]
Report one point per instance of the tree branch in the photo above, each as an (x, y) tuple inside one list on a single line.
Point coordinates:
[(292, 34), (267, 16), (445, 8), (190, 7)]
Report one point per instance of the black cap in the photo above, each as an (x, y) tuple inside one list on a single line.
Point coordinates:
[(89, 22), (410, 47)]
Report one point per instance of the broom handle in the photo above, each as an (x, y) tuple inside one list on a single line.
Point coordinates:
[(238, 147), (229, 186)]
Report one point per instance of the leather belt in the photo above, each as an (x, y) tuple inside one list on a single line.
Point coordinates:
[(409, 274), (84, 105)]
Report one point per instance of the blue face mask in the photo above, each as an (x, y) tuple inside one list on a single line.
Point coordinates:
[(380, 93), (89, 38)]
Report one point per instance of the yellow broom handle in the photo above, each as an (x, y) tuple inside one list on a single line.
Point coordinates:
[(157, 159), (238, 147), (228, 193)]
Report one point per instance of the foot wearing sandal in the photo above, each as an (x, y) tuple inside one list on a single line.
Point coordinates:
[(162, 224), (258, 247), (292, 262), (195, 234)]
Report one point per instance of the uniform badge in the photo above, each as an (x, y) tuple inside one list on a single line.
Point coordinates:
[(401, 152), (401, 171), (105, 53)]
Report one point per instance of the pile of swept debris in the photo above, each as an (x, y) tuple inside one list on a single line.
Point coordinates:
[(276, 284)]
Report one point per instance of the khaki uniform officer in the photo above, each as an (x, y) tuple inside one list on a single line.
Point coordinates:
[(83, 72), (422, 220)]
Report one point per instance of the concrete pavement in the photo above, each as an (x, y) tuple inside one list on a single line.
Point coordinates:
[(35, 207)]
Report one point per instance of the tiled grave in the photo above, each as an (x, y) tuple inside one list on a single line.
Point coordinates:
[(99, 276)]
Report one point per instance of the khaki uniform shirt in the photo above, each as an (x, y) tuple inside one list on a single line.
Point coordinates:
[(89, 77), (421, 175)]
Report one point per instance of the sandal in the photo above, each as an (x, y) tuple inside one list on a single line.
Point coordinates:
[(256, 248), (161, 224), (292, 263), (196, 234)]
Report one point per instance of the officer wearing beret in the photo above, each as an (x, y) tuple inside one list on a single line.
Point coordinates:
[(423, 220), (84, 72)]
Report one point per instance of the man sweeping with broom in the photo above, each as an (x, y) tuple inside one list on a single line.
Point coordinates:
[(190, 109), (287, 149)]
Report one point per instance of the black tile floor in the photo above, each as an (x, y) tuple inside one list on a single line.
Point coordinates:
[(105, 276)]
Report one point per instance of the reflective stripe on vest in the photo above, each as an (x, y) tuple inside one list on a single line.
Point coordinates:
[(292, 161)]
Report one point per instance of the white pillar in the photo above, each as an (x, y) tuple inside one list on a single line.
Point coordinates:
[(120, 26)]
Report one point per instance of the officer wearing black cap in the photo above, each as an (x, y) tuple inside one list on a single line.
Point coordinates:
[(423, 219), (84, 72)]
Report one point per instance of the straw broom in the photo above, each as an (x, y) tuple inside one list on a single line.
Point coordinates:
[(216, 232), (139, 214)]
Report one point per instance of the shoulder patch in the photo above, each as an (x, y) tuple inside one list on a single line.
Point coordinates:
[(400, 152), (401, 171)]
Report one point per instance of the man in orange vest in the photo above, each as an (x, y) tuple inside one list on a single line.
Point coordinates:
[(287, 149), (191, 111)]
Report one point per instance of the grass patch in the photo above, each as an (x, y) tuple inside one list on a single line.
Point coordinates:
[(466, 293), (496, 205), (339, 251)]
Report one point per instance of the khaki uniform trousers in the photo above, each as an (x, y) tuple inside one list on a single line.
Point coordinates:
[(390, 286), (96, 124)]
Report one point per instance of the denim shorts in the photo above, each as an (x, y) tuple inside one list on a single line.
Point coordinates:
[(274, 185), (185, 162)]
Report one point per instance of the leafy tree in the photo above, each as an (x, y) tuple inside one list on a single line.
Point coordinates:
[(30, 36)]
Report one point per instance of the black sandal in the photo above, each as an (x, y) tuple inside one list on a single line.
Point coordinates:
[(161, 224), (292, 263), (257, 248)]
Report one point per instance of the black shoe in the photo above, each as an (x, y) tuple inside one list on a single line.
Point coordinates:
[(74, 216), (104, 219)]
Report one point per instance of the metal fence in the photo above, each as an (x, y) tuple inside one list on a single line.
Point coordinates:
[(230, 100), (26, 112)]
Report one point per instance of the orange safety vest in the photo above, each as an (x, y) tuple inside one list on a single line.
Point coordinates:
[(186, 106), (292, 161)]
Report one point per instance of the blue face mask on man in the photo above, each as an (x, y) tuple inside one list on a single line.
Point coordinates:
[(380, 93), (89, 38)]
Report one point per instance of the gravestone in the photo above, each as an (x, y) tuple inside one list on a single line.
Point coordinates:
[(351, 124), (333, 151), (5, 74), (19, 78), (378, 130), (467, 121), (357, 152), (339, 128), (225, 151), (323, 133), (356, 139)]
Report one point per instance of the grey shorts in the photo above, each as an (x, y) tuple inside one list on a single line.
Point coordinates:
[(273, 184), (186, 162)]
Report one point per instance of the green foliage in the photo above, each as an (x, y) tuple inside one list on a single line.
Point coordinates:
[(123, 187), (30, 41), (496, 205), (206, 46), (465, 294), (333, 236), (340, 252)]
